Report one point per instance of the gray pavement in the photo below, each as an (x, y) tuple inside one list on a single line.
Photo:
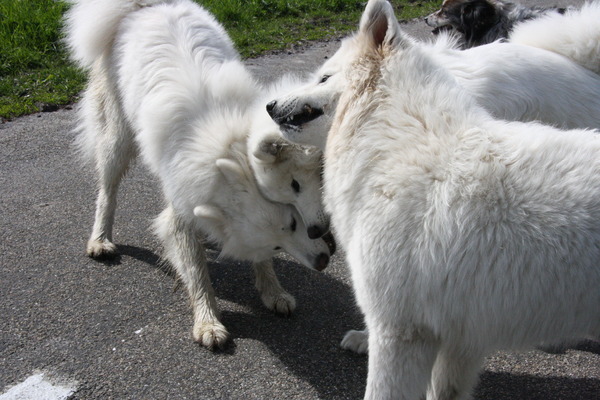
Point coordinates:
[(119, 330)]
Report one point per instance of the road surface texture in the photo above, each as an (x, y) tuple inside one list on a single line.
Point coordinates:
[(119, 330)]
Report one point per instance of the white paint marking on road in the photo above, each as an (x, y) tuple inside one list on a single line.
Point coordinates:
[(37, 387)]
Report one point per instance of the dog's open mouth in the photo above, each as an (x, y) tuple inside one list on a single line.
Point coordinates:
[(307, 114)]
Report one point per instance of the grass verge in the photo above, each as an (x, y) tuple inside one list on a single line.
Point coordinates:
[(36, 75)]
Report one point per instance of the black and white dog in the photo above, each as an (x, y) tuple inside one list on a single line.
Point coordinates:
[(483, 21)]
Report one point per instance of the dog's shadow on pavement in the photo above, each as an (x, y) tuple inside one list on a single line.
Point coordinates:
[(308, 342), (589, 346), (138, 253), (506, 386)]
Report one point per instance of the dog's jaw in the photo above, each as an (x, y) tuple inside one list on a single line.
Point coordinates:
[(293, 120), (302, 125)]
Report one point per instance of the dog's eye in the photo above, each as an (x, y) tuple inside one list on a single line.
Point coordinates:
[(324, 78), (293, 225), (295, 186), (277, 248)]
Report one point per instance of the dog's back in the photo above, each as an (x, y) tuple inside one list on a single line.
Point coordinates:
[(522, 83), (575, 35)]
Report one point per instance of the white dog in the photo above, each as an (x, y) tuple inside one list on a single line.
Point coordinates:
[(286, 172), (575, 35), (456, 226), (166, 82), (511, 80)]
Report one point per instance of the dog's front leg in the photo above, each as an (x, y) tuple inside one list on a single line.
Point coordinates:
[(455, 372), (399, 366), (356, 341), (273, 296), (184, 250)]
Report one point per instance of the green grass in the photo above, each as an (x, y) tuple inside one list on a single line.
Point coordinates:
[(35, 72)]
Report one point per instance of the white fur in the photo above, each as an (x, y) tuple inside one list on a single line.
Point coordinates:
[(575, 35), (464, 234), (286, 172), (165, 81), (511, 80)]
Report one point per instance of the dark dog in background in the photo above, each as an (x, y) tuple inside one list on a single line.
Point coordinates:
[(483, 21)]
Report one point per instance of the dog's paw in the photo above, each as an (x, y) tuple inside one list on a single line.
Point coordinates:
[(282, 303), (356, 341), (212, 335), (101, 248)]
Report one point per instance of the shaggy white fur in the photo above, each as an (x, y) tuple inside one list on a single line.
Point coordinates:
[(457, 226), (575, 35), (165, 81)]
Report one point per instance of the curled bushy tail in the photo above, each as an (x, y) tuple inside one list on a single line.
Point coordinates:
[(575, 35), (91, 25)]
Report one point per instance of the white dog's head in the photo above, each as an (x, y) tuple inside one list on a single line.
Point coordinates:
[(249, 227), (306, 114), (287, 172), (291, 174)]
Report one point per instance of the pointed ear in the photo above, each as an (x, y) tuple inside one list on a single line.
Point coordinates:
[(231, 170), (380, 25), (206, 211), (270, 150)]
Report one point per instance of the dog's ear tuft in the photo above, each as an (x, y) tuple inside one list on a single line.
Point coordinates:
[(380, 24), (212, 219), (209, 212), (271, 150), (232, 171)]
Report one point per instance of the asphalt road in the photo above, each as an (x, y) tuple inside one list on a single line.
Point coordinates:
[(118, 330)]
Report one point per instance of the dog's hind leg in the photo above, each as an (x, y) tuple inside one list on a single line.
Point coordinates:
[(273, 296), (186, 253), (106, 133), (454, 375)]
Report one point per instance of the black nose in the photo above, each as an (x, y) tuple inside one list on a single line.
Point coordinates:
[(271, 106), (321, 262), (315, 232)]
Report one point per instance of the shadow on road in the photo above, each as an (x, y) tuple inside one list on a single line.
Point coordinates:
[(505, 386)]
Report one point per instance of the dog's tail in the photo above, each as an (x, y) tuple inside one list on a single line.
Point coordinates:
[(91, 26), (575, 35)]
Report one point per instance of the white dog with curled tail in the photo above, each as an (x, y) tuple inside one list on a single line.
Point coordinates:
[(165, 82)]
